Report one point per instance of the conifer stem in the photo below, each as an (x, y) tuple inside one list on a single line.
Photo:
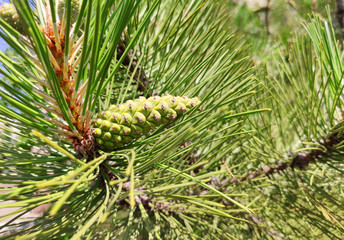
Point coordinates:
[(301, 160)]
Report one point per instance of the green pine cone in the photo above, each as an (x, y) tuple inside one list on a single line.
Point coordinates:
[(8, 13), (122, 124), (75, 4)]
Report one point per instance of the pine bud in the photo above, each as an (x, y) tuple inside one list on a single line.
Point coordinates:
[(124, 123), (75, 7), (9, 14)]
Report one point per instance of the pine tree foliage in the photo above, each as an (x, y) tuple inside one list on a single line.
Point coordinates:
[(165, 184), (298, 147), (259, 157)]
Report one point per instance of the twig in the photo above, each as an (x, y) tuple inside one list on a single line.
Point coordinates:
[(228, 170), (267, 171)]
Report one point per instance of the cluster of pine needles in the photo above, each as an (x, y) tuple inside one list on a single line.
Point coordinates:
[(163, 120)]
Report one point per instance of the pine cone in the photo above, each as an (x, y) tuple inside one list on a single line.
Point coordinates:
[(75, 5), (122, 124), (9, 14)]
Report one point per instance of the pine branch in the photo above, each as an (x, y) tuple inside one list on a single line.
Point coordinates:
[(301, 160), (158, 168)]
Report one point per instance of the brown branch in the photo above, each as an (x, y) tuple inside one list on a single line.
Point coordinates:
[(267, 171), (300, 160)]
